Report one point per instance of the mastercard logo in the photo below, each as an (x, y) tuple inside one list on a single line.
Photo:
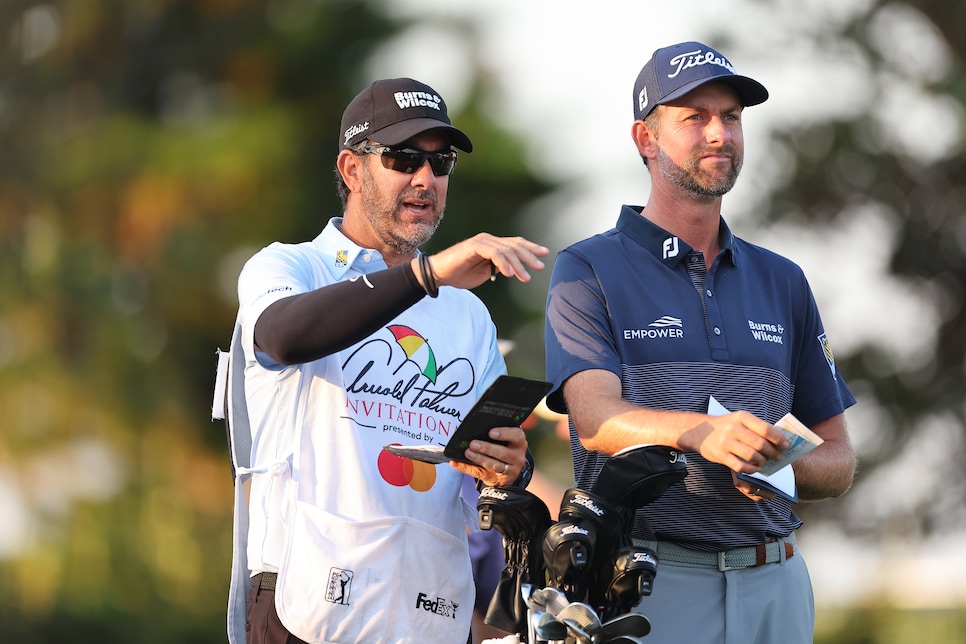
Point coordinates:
[(401, 471)]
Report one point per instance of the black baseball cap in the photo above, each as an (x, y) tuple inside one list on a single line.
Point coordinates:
[(674, 71), (393, 110)]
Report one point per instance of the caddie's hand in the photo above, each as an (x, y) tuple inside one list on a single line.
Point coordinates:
[(740, 441), (751, 490), (496, 464), (475, 260)]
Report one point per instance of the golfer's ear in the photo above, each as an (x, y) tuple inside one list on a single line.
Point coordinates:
[(644, 139), (350, 167)]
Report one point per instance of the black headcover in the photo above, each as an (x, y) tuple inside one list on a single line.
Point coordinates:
[(522, 518), (568, 547), (634, 571), (575, 548), (634, 477), (631, 479)]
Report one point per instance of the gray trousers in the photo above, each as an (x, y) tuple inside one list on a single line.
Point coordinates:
[(700, 605)]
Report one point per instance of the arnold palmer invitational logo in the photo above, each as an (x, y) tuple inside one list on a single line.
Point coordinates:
[(401, 393)]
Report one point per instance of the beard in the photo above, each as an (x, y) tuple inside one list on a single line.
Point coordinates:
[(385, 215), (696, 181)]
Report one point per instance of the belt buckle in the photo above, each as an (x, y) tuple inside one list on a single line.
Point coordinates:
[(723, 564)]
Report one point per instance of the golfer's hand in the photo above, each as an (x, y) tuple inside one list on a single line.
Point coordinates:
[(473, 261), (496, 464), (751, 490), (740, 441)]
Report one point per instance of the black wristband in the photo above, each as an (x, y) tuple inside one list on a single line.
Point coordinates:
[(426, 273)]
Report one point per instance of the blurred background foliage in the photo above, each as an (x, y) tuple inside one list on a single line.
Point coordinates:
[(151, 146)]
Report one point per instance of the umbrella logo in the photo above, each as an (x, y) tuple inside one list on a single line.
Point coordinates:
[(417, 349)]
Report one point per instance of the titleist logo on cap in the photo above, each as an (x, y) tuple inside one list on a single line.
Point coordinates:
[(678, 69), (356, 129), (696, 58)]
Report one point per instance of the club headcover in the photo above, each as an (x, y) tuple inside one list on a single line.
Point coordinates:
[(522, 518), (636, 476), (634, 572), (568, 549)]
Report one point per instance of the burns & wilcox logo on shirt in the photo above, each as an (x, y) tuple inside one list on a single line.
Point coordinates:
[(665, 327), (437, 606), (767, 332)]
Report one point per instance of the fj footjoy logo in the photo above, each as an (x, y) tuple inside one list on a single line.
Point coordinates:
[(438, 606), (670, 247), (355, 129), (340, 583), (642, 100), (766, 332), (665, 326), (417, 99), (696, 58)]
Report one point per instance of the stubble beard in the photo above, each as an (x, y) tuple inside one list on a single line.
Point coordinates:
[(385, 217), (696, 181)]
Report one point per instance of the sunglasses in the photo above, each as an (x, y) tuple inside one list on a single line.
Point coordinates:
[(410, 161)]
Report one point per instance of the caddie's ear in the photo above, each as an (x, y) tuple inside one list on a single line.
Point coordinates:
[(644, 139), (350, 167)]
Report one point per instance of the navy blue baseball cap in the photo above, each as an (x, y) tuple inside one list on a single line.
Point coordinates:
[(394, 110), (674, 71)]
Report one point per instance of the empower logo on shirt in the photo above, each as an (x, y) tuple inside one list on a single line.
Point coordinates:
[(665, 326)]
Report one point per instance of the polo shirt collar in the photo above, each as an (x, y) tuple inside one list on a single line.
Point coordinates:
[(662, 244), (341, 254)]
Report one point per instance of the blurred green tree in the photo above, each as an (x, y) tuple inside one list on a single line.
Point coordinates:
[(873, 165), (150, 148)]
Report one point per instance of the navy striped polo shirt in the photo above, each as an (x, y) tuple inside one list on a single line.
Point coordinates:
[(752, 337)]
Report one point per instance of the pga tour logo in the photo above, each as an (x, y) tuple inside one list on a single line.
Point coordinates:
[(338, 586)]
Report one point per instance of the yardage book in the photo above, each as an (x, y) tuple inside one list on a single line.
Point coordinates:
[(506, 403), (778, 476)]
